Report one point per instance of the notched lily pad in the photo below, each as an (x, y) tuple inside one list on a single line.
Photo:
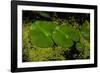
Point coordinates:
[(65, 36), (41, 33), (71, 32), (62, 39)]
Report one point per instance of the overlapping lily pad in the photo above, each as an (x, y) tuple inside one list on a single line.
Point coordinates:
[(65, 36), (41, 33)]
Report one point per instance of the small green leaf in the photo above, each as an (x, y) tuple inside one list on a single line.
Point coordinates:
[(85, 30)]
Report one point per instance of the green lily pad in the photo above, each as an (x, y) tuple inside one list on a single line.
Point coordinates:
[(41, 33), (62, 39), (71, 32), (85, 30), (64, 36)]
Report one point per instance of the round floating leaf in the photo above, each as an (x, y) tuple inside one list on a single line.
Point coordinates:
[(61, 38), (41, 33), (85, 30), (74, 35), (71, 32)]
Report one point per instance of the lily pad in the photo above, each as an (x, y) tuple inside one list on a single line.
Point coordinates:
[(71, 32), (65, 36), (41, 33), (85, 30), (62, 39)]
